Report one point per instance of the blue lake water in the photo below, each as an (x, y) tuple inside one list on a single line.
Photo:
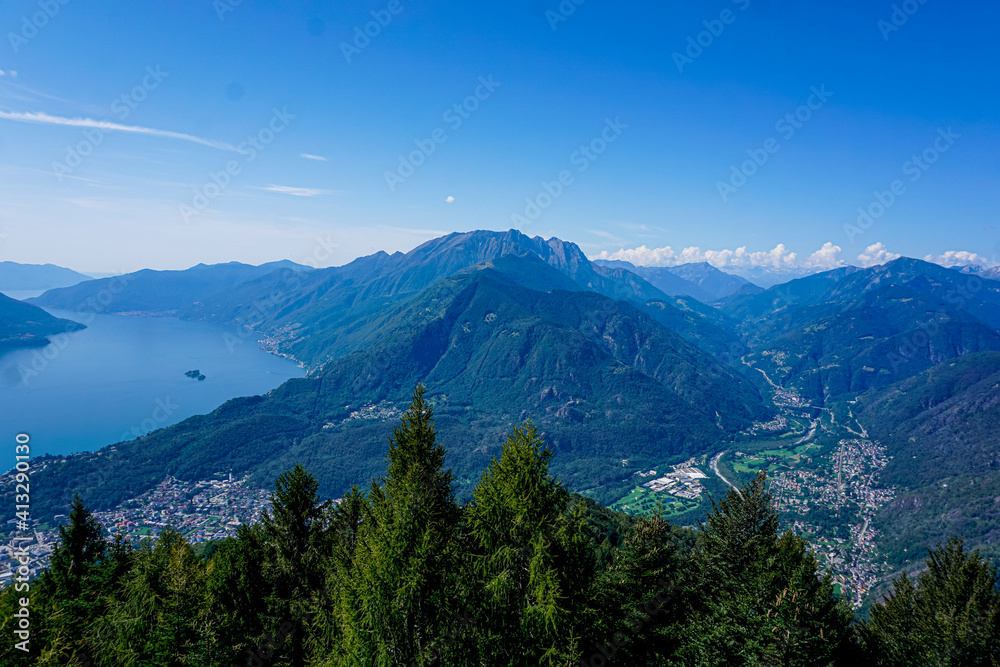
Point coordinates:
[(123, 377)]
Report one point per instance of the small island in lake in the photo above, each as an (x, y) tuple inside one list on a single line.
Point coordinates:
[(196, 375)]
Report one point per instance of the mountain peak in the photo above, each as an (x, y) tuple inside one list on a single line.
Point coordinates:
[(909, 264)]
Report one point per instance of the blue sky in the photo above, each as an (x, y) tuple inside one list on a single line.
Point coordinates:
[(663, 131)]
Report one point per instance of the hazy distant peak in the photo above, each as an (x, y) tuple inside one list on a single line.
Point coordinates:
[(16, 277)]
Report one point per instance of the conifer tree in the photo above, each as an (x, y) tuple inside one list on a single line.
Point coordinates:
[(295, 531), (641, 591), (158, 616), (948, 616), (237, 590), (400, 598), (758, 598), (532, 564), (346, 518), (71, 592), (81, 547)]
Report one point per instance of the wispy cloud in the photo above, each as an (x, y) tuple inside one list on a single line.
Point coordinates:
[(606, 235), (41, 118), (415, 232), (638, 227), (13, 89), (298, 192), (310, 156)]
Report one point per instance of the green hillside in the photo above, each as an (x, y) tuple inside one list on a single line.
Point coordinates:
[(849, 330), (941, 428), (603, 382), (25, 325)]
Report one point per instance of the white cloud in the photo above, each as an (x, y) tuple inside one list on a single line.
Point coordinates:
[(826, 258), (309, 156), (42, 118), (11, 73), (778, 258), (450, 199), (876, 254), (297, 192), (959, 258)]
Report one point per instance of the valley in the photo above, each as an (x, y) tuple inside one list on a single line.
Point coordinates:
[(647, 400), (824, 474), (828, 490), (291, 378)]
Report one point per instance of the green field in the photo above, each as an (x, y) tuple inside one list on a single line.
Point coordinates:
[(786, 455), (641, 500)]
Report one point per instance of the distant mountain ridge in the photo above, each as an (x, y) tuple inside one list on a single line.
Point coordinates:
[(163, 292), (318, 315), (662, 278), (701, 281), (24, 277), (716, 282)]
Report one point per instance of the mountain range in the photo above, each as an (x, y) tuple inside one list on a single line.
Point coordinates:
[(701, 281), (500, 327), (319, 315), (618, 374), (940, 427), (31, 277), (852, 329), (159, 292)]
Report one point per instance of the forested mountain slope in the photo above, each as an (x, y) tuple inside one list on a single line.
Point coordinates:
[(602, 380)]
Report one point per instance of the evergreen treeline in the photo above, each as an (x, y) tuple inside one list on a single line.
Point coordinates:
[(522, 574)]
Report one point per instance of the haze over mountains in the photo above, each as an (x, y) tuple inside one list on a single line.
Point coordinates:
[(699, 280), (162, 292), (27, 277), (619, 366)]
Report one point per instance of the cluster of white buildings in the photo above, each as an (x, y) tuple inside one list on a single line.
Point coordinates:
[(683, 482)]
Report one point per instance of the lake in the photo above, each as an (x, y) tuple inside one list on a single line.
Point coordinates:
[(123, 377)]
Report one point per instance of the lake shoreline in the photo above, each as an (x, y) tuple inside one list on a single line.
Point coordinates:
[(123, 377)]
